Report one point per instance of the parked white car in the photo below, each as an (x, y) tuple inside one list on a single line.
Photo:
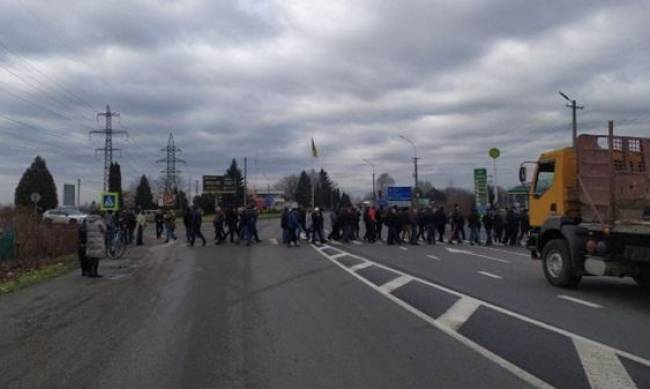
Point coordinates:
[(64, 216)]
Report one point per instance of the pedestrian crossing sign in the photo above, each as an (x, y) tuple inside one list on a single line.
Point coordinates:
[(109, 201)]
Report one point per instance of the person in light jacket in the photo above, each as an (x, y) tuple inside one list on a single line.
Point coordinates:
[(95, 247)]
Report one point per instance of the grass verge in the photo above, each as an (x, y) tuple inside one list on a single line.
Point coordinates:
[(53, 269)]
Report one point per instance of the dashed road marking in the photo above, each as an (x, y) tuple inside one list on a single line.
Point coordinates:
[(395, 283), (491, 275), (360, 266), (403, 248), (602, 367), (274, 241), (458, 313), (506, 251), (521, 373), (433, 257), (579, 301), (467, 252), (357, 242)]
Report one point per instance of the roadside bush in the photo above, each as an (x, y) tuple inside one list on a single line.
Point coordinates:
[(37, 242)]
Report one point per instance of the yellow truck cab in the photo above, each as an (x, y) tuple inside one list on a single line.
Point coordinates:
[(590, 210)]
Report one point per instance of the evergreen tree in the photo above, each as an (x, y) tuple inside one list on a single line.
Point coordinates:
[(235, 174), (143, 195), (325, 190), (37, 179), (115, 181), (345, 200), (206, 202), (303, 190), (181, 199)]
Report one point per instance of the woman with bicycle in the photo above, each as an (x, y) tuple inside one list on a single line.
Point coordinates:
[(95, 246)]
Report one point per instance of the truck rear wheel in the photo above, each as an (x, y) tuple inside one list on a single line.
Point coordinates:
[(643, 278), (556, 261)]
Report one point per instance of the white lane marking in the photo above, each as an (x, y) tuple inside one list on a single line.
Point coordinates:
[(467, 252), (433, 257), (579, 301), (357, 242), (403, 248), (517, 371), (506, 251), (395, 283), (337, 256), (359, 266), (274, 241), (458, 313), (572, 335), (603, 368), (491, 275)]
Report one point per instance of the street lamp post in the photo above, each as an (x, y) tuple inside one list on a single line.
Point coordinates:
[(374, 194), (415, 159)]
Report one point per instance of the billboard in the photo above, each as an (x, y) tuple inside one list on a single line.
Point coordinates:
[(68, 195), (399, 195), (219, 184), (481, 189)]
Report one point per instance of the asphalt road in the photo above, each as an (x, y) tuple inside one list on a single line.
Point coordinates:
[(337, 316)]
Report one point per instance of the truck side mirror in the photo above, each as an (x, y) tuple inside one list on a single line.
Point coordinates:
[(523, 173)]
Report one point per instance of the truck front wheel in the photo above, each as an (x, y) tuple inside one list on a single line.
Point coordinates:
[(643, 277), (556, 261)]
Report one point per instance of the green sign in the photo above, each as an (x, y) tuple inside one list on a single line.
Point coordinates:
[(109, 201), (495, 153), (481, 188)]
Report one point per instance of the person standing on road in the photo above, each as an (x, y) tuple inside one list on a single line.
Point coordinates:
[(335, 220), (488, 224), (474, 222), (414, 223), (196, 219), (293, 224), (456, 225), (252, 219), (393, 224), (379, 223), (158, 218), (427, 220), (284, 224), (512, 227), (131, 224), (141, 222), (317, 226), (498, 226), (231, 222), (524, 225), (371, 225), (217, 223), (83, 240), (95, 244), (169, 219), (440, 220), (187, 222)]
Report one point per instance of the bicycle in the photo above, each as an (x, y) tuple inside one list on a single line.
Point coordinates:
[(116, 247)]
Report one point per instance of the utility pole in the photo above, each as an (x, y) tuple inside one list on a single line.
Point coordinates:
[(574, 107), (108, 133), (170, 162), (245, 180), (415, 160), (374, 193)]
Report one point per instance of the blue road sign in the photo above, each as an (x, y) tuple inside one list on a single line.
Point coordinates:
[(399, 193), (109, 201)]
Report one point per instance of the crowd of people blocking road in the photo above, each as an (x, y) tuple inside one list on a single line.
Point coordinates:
[(407, 225)]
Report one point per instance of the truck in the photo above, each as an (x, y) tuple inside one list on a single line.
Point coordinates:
[(589, 208)]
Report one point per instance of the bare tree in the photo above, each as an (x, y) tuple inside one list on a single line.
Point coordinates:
[(288, 185), (384, 181)]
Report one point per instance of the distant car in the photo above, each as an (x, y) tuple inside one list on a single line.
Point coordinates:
[(64, 216)]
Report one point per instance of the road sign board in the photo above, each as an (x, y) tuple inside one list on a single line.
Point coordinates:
[(109, 201), (168, 199), (494, 153), (399, 193), (35, 197), (219, 184), (481, 188)]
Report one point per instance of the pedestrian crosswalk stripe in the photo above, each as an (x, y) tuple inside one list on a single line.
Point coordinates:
[(458, 313), (274, 241), (602, 367)]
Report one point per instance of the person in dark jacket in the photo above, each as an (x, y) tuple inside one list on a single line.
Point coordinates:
[(427, 220), (293, 224), (512, 226), (158, 218), (440, 221), (317, 226), (457, 222), (217, 223), (252, 223), (231, 222), (474, 223), (392, 223), (83, 240), (196, 219), (488, 224), (414, 223), (284, 224), (187, 222), (498, 227), (524, 225)]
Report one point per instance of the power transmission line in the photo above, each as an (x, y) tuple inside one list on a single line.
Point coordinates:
[(170, 162), (108, 133)]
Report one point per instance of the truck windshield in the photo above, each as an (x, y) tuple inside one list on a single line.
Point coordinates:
[(545, 175)]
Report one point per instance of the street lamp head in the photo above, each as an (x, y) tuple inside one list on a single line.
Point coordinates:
[(565, 96)]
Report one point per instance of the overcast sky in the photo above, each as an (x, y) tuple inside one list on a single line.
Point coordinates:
[(260, 78)]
